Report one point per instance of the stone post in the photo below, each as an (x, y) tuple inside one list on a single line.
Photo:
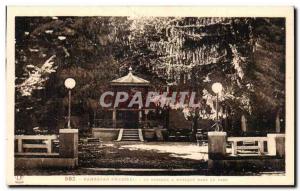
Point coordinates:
[(68, 143), (216, 145), (276, 144)]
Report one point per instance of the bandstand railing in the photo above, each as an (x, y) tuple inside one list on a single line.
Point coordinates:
[(108, 123)]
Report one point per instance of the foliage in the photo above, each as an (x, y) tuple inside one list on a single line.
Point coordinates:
[(245, 54)]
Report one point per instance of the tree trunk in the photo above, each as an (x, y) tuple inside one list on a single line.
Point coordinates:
[(277, 123), (244, 124)]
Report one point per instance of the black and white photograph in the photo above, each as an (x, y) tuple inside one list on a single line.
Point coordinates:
[(155, 99)]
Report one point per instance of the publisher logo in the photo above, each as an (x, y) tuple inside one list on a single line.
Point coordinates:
[(19, 179)]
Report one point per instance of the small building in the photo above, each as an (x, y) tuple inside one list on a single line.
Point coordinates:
[(134, 123), (124, 116)]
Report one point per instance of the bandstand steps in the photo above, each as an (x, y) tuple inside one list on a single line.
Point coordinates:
[(131, 135)]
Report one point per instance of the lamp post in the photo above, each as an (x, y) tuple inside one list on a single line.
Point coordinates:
[(217, 89), (70, 84)]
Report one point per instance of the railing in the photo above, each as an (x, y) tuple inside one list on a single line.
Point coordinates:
[(151, 124), (141, 135), (36, 142), (120, 134), (247, 144), (108, 123)]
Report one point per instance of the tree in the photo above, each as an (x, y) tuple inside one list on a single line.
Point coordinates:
[(201, 51), (85, 48), (179, 53)]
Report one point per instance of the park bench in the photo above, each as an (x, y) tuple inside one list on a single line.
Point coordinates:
[(247, 145), (201, 137), (179, 135), (36, 145)]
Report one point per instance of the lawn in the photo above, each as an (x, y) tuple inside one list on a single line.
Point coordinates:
[(147, 155)]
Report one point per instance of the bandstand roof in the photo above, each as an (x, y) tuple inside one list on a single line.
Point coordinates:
[(130, 80)]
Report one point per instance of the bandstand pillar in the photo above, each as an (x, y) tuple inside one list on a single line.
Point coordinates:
[(114, 118)]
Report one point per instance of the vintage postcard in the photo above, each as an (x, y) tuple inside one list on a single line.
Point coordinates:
[(150, 96)]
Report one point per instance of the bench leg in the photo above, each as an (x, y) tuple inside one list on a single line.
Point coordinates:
[(233, 148), (260, 147), (20, 146)]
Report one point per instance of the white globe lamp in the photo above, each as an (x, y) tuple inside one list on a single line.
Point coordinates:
[(217, 88), (70, 83)]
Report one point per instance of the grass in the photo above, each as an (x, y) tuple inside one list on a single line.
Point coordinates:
[(118, 155)]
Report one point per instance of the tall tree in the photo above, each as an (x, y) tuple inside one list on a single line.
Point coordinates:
[(187, 53)]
